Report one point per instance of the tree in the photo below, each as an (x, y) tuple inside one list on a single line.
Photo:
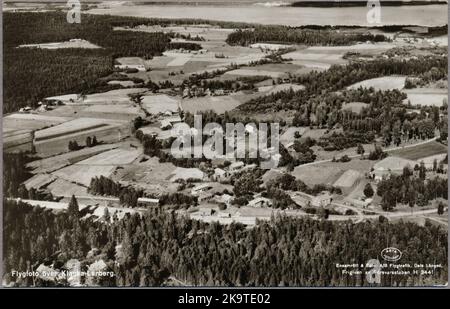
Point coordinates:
[(444, 131), (323, 213), (440, 210), (106, 215), (73, 145), (422, 171), (368, 190), (88, 141), (360, 150), (94, 141), (73, 208)]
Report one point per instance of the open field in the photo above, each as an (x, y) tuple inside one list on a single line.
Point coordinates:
[(429, 160), (21, 121), (355, 107), (130, 61), (210, 33), (17, 140), (382, 83), (280, 87), (156, 104), (119, 96), (82, 174), (120, 110), (150, 175), (55, 140), (255, 72), (61, 187), (123, 83), (426, 96), (38, 181), (75, 43), (51, 164), (70, 127), (113, 157), (289, 135), (315, 174), (219, 104), (421, 151), (316, 57)]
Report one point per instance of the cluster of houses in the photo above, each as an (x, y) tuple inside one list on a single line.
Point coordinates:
[(47, 103), (194, 91), (306, 200)]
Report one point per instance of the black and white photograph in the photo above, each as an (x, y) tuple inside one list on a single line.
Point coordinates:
[(244, 144)]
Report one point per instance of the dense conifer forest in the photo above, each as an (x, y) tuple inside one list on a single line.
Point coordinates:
[(290, 35), (30, 74), (148, 250)]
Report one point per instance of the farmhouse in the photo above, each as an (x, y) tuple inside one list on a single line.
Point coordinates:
[(269, 47), (144, 201), (173, 119), (362, 202), (220, 174), (322, 200), (205, 196), (390, 165), (307, 200), (139, 67), (224, 198), (348, 181), (201, 188)]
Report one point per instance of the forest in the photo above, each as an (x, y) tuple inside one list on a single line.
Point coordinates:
[(411, 190), (128, 195), (338, 77), (291, 35), (321, 103), (31, 74), (148, 250)]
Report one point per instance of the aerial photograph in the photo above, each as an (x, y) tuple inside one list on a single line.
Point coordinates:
[(213, 143)]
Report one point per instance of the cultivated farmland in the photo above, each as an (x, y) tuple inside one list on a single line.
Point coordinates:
[(382, 83), (426, 96), (82, 174)]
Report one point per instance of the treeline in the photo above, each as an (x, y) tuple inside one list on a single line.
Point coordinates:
[(289, 182), (148, 250), (15, 172), (240, 84), (105, 186), (340, 141), (290, 35), (184, 45), (128, 195), (411, 190)]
